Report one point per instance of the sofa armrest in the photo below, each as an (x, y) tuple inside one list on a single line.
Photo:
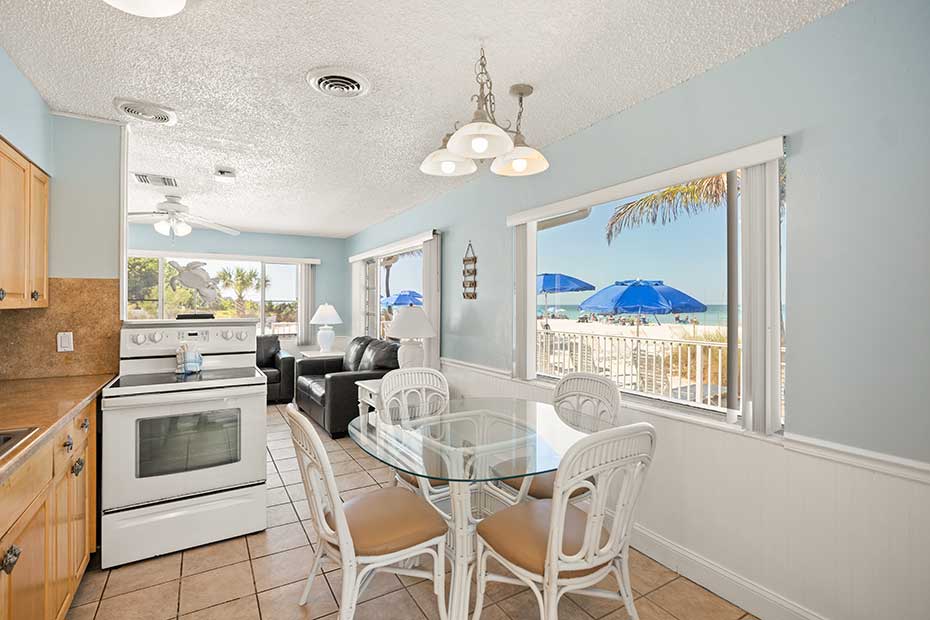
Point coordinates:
[(318, 365), (284, 362)]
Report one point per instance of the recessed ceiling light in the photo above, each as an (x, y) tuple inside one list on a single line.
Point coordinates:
[(225, 175), (149, 8)]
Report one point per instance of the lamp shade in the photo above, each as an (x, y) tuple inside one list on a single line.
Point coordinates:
[(480, 139), (149, 8), (522, 161), (444, 163), (410, 322), (325, 315), (181, 229)]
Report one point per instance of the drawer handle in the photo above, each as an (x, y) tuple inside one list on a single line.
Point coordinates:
[(2, 294), (69, 444), (85, 425), (78, 467), (10, 558), (35, 295)]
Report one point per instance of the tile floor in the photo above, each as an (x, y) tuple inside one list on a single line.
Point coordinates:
[(261, 576)]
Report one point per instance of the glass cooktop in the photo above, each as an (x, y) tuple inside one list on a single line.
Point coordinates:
[(169, 381)]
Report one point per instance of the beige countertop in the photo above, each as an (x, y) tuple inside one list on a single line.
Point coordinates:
[(49, 404)]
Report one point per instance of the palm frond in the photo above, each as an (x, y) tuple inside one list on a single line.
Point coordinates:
[(668, 204)]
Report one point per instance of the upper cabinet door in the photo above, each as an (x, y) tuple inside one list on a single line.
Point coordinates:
[(14, 227), (38, 239)]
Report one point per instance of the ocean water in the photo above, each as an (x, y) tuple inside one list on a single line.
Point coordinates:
[(715, 315)]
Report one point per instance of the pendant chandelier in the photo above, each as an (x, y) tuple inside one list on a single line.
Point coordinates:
[(485, 138)]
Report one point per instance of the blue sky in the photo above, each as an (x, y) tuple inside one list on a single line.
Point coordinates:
[(689, 254), (406, 274)]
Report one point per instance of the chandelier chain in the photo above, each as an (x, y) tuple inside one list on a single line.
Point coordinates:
[(485, 95)]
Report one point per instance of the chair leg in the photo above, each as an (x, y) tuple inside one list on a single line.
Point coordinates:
[(481, 561), (349, 594), (317, 559), (626, 591), (551, 603), (439, 579)]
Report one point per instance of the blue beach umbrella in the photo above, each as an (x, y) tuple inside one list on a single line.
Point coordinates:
[(641, 297), (403, 298), (559, 283)]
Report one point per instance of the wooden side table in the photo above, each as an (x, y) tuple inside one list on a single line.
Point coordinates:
[(369, 395)]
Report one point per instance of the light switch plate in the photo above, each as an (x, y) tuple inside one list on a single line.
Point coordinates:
[(65, 342)]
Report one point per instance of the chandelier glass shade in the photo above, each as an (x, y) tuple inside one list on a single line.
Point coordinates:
[(522, 161), (480, 139), (149, 8), (444, 163)]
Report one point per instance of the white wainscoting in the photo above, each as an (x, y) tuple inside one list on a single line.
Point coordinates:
[(788, 530)]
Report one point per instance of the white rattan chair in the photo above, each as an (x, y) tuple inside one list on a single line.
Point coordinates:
[(584, 401), (368, 533), (408, 394), (554, 547)]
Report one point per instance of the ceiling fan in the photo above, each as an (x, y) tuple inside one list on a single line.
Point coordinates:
[(172, 218)]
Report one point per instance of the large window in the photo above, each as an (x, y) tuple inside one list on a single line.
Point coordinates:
[(400, 283), (162, 287), (674, 294)]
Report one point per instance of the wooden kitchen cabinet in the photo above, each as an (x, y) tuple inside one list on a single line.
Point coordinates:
[(24, 200), (24, 560)]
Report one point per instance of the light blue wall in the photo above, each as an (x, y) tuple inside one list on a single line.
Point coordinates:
[(852, 93), (84, 212), (332, 275), (25, 120)]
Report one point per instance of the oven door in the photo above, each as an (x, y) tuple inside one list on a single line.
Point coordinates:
[(166, 446)]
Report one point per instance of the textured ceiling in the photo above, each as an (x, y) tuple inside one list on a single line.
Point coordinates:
[(310, 164)]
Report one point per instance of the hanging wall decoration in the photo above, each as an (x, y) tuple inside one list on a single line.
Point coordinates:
[(470, 274)]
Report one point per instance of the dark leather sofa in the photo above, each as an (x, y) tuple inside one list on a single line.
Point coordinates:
[(278, 366), (326, 390)]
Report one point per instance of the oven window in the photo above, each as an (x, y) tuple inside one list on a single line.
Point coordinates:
[(180, 443)]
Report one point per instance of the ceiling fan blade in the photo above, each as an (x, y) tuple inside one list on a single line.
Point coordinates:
[(132, 213), (199, 221)]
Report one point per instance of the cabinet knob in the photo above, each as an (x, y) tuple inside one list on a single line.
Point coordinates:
[(2, 294), (85, 425), (69, 444), (35, 295), (78, 467), (10, 558)]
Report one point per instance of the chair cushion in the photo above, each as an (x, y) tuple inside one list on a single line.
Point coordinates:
[(541, 486), (313, 386), (354, 351), (266, 347), (389, 520), (521, 535), (273, 374), (380, 355), (413, 480)]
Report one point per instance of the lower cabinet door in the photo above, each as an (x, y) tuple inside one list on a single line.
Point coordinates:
[(60, 564), (23, 559), (80, 507)]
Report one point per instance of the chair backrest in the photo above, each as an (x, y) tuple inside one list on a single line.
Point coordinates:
[(411, 393), (319, 483), (266, 347), (612, 465), (588, 402)]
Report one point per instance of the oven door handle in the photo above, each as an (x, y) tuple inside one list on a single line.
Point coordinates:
[(225, 395)]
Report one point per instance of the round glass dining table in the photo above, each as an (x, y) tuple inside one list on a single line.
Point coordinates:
[(463, 451)]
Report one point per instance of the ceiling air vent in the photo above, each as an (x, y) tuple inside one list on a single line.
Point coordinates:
[(145, 111), (338, 82), (155, 179)]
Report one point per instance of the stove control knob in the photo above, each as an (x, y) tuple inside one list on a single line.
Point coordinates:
[(139, 339), (242, 335), (227, 334), (156, 337)]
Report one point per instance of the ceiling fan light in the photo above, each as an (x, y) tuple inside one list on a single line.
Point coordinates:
[(149, 8), (522, 161), (443, 163), (480, 139), (163, 227), (181, 229)]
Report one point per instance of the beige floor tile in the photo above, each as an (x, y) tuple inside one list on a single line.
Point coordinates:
[(143, 574), (82, 612), (283, 453), (302, 507), (216, 586), (212, 556), (397, 605), (381, 474), (279, 569), (274, 497), (245, 608), (368, 462), (282, 603), (277, 539), (270, 469), (493, 612), (382, 583), (286, 465), (339, 457), (332, 446), (348, 466), (296, 491), (347, 482), (273, 481), (599, 607), (155, 603), (685, 599), (524, 607), (309, 531), (646, 610), (347, 495), (275, 435), (274, 444), (422, 593), (91, 588), (646, 574), (280, 515), (292, 476)]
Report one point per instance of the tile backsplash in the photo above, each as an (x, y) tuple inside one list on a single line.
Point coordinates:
[(86, 307)]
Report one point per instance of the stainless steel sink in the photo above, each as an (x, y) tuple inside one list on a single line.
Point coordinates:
[(12, 437)]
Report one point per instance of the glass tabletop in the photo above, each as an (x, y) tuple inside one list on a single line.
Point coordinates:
[(475, 439)]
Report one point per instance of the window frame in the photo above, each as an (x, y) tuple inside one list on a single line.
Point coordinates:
[(761, 405)]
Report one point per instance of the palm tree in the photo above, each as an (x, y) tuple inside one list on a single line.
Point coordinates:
[(241, 281), (670, 203)]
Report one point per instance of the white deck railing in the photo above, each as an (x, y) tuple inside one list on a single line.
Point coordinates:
[(683, 370)]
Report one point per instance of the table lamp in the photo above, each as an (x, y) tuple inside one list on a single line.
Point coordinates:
[(325, 316), (411, 325)]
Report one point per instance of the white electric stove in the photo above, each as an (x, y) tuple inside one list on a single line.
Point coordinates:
[(183, 456)]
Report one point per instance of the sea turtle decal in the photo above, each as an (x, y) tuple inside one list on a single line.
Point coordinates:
[(194, 276)]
